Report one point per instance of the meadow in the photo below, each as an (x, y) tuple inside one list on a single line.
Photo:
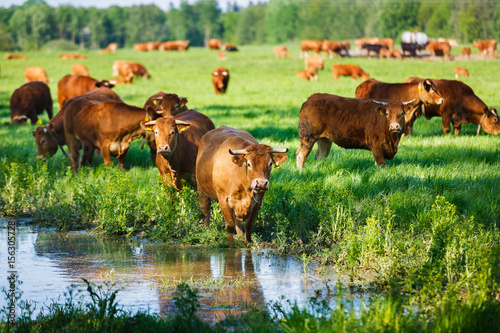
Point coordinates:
[(425, 226)]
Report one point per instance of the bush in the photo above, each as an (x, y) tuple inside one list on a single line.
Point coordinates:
[(59, 45)]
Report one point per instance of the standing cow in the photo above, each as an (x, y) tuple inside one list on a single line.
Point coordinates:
[(35, 74), (79, 69), (353, 71), (28, 101), (74, 85), (351, 123), (220, 80), (234, 169), (177, 139)]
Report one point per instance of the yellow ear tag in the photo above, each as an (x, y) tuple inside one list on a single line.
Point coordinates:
[(149, 128), (39, 122), (182, 129), (146, 119), (277, 164), (420, 88), (182, 105)]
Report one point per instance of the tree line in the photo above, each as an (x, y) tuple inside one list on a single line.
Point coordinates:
[(33, 24)]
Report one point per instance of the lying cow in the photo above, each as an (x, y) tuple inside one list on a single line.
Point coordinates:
[(32, 74), (79, 69), (461, 106), (30, 100), (234, 169), (220, 80), (214, 44), (353, 71), (74, 85), (352, 124), (50, 137), (310, 74), (124, 70), (15, 56), (177, 139), (281, 51), (423, 94)]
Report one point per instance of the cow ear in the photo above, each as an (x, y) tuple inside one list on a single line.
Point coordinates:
[(181, 127), (182, 101), (407, 109), (239, 160), (428, 85), (279, 159), (145, 127), (381, 110)]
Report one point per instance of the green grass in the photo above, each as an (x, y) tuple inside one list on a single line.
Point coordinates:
[(426, 224)]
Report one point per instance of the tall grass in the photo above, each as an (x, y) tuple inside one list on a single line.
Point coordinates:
[(426, 224)]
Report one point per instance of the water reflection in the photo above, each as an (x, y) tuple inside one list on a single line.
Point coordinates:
[(146, 273)]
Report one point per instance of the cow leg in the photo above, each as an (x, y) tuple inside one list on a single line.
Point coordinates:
[(229, 219), (307, 141), (457, 129), (106, 157), (378, 154), (87, 155), (205, 203), (446, 124), (49, 110), (121, 159), (74, 152), (324, 146)]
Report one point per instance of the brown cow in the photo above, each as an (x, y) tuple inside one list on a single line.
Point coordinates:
[(461, 106), (422, 94), (353, 71), (220, 80), (351, 123), (124, 70), (15, 56), (108, 126), (51, 136), (234, 169), (310, 74), (73, 85), (153, 46), (164, 105), (174, 45), (310, 45), (439, 48), (79, 69), (281, 51), (385, 53), (466, 52), (365, 40), (387, 42), (71, 56), (485, 47), (461, 71), (35, 74), (177, 139), (314, 61), (28, 101), (112, 47), (221, 55), (140, 47), (139, 70), (229, 47), (214, 44)]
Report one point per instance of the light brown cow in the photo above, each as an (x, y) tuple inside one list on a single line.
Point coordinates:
[(310, 74), (174, 45), (141, 47), (221, 55), (177, 139), (281, 51), (461, 106), (15, 56), (35, 74), (466, 52), (385, 53), (314, 61), (124, 70), (353, 71), (488, 46), (79, 69), (73, 85), (72, 56), (387, 42), (351, 123), (330, 47), (234, 169), (220, 80), (439, 48), (461, 71), (30, 100), (50, 137), (422, 94), (214, 44), (153, 46), (139, 70), (310, 45), (112, 47)]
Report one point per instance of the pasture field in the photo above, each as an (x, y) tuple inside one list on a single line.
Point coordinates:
[(425, 226)]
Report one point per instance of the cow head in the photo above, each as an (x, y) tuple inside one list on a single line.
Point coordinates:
[(489, 122), (46, 142), (395, 113), (220, 80), (429, 94), (104, 83), (166, 131), (257, 161), (169, 105)]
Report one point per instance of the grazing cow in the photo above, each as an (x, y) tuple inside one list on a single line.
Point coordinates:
[(108, 126), (281, 51), (177, 139), (351, 123), (73, 85), (139, 70), (229, 47), (112, 47), (15, 56), (124, 70), (374, 48), (485, 47), (28, 101), (220, 80), (461, 106), (460, 71), (310, 45), (214, 44), (439, 48), (35, 74), (422, 94), (387, 42), (385, 53), (234, 169), (140, 47), (153, 46), (164, 105), (51, 136), (79, 69), (411, 48), (311, 74), (314, 61), (330, 47), (174, 45), (71, 56), (353, 71), (466, 52), (365, 40)]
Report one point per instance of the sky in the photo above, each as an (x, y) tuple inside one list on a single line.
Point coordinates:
[(163, 4)]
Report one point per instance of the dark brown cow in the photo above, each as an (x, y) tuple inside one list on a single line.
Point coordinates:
[(177, 139), (310, 45), (214, 44), (351, 123), (220, 80), (28, 101), (229, 47), (15, 56), (73, 85), (164, 105), (35, 74), (461, 106), (234, 169), (79, 69), (107, 126), (51, 136), (488, 46), (423, 94), (353, 71)]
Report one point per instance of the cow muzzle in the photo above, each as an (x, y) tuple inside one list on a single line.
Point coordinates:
[(441, 101), (164, 150), (395, 128), (260, 185)]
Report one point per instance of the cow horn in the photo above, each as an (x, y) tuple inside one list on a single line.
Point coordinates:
[(180, 122), (150, 123), (409, 102), (238, 152), (279, 150), (158, 98), (380, 102)]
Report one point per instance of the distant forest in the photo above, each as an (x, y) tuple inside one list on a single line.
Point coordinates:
[(32, 25)]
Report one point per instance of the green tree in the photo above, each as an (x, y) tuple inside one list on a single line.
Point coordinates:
[(251, 28), (281, 19), (146, 23), (208, 12), (6, 40), (468, 24), (397, 17), (230, 25)]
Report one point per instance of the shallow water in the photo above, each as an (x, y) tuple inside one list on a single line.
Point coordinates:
[(146, 273)]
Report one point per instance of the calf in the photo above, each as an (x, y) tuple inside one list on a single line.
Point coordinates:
[(74, 85), (177, 139), (466, 52), (28, 101), (353, 71), (79, 69), (35, 74), (220, 80), (281, 52), (461, 71), (234, 169), (314, 61), (352, 124), (214, 44), (310, 74)]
